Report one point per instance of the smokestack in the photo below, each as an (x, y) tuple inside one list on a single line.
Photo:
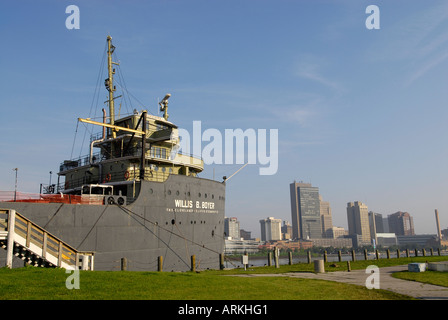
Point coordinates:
[(439, 233)]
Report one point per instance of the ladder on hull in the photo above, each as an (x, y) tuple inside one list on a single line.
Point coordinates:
[(24, 239)]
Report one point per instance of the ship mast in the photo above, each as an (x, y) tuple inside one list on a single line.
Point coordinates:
[(109, 82)]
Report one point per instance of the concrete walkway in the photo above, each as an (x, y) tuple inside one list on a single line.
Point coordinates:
[(386, 281)]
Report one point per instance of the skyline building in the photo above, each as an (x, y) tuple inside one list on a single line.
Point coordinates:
[(232, 228), (305, 211), (358, 223), (401, 223), (326, 219), (271, 229)]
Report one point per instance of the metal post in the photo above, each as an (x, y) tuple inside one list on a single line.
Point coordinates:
[(124, 264), (193, 263), (10, 240), (142, 164), (290, 257), (339, 255), (221, 261), (160, 263), (325, 255)]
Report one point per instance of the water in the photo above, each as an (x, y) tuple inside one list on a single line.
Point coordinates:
[(259, 261)]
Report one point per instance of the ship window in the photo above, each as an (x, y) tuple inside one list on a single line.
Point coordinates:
[(213, 196), (169, 192), (177, 193), (188, 193), (173, 221), (205, 195)]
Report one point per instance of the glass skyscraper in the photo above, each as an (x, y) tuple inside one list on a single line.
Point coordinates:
[(305, 211)]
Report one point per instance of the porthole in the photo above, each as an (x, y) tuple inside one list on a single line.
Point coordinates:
[(169, 192), (199, 194), (173, 221), (177, 193)]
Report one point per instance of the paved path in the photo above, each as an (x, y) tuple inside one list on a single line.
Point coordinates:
[(387, 282)]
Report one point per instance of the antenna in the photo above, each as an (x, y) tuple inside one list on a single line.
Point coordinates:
[(164, 105)]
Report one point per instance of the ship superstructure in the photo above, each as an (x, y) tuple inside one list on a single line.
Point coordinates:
[(131, 149)]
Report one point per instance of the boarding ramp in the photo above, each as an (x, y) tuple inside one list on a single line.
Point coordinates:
[(24, 239)]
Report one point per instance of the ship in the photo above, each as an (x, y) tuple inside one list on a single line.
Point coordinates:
[(136, 197)]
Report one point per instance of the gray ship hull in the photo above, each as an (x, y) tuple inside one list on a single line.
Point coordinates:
[(175, 219)]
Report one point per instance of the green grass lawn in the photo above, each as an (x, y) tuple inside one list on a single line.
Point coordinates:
[(37, 283), (432, 277)]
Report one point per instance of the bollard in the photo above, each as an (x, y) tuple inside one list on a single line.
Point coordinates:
[(319, 266), (160, 264), (432, 251), (416, 252), (339, 255), (193, 263), (276, 258), (365, 254), (438, 251), (377, 254), (424, 252), (349, 268), (221, 261), (124, 264), (269, 259), (388, 253), (353, 255), (398, 253), (309, 256), (407, 253), (290, 257), (325, 255)]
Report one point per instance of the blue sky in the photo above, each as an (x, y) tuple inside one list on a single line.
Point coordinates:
[(361, 113)]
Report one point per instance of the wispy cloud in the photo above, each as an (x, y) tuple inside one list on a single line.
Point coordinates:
[(311, 68)]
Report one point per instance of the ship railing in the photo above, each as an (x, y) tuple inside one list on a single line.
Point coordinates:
[(12, 196), (79, 162), (37, 245)]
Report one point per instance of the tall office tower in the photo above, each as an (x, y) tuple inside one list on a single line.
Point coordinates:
[(358, 222), (305, 211), (271, 229), (326, 220), (375, 222), (232, 228), (401, 223)]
